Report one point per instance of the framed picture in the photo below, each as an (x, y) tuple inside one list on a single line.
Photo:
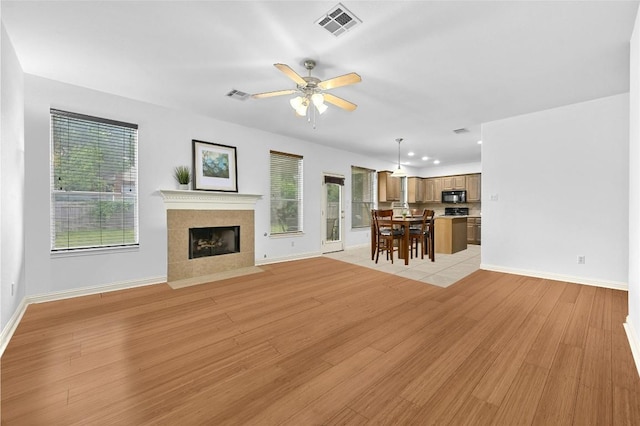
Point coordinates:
[(214, 167)]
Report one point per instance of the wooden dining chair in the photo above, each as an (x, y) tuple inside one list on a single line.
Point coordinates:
[(385, 235), (423, 236)]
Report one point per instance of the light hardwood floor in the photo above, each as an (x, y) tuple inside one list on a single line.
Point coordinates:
[(320, 341)]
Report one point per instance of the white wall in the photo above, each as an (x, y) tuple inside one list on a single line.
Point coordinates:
[(164, 141), (450, 170), (633, 320), (11, 181), (561, 178)]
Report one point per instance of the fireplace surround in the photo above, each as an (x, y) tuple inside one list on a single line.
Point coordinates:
[(202, 209)]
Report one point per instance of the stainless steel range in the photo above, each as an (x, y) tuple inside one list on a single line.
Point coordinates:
[(456, 211)]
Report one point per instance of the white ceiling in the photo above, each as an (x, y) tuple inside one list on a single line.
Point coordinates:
[(427, 67)]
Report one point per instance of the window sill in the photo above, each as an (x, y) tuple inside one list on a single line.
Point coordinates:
[(287, 235), (94, 251)]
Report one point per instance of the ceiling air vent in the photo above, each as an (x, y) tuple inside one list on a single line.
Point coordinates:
[(461, 130), (237, 94), (338, 20)]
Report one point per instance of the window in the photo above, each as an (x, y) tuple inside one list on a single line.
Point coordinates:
[(361, 196), (286, 193), (94, 182)]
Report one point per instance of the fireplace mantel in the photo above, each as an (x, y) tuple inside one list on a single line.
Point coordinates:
[(175, 199)]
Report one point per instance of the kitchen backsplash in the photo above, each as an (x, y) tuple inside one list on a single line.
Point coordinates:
[(474, 208)]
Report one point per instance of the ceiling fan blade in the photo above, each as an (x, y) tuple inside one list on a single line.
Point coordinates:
[(342, 80), (286, 69), (339, 102), (275, 93)]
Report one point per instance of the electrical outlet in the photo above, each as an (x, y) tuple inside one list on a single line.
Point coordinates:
[(494, 197), (581, 260), (293, 243)]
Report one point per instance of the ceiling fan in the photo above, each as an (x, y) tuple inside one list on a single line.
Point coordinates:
[(312, 90)]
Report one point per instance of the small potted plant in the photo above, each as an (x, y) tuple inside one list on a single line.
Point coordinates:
[(183, 176)]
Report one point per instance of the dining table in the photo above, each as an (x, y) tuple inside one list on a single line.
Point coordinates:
[(404, 222)]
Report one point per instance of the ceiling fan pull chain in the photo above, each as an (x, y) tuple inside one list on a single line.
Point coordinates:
[(313, 108)]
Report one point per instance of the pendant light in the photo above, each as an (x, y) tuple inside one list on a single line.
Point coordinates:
[(398, 172)]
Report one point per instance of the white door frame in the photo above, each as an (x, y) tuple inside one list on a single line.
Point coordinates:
[(328, 246)]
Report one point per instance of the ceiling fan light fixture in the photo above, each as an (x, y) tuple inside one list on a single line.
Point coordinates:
[(301, 110), (317, 99), (309, 90), (321, 108), (296, 102)]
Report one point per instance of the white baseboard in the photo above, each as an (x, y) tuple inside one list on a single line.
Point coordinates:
[(10, 328), (86, 291), (298, 256), (557, 277), (632, 336)]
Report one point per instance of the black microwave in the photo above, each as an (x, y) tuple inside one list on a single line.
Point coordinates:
[(454, 197)]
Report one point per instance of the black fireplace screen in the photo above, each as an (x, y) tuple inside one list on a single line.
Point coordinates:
[(213, 241)]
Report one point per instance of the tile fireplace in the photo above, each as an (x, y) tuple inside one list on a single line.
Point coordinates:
[(220, 227)]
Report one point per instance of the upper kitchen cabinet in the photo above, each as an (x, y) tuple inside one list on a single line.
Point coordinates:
[(450, 183), (433, 190), (473, 188), (416, 190), (388, 187)]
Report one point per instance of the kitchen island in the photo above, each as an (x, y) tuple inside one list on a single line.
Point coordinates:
[(451, 234)]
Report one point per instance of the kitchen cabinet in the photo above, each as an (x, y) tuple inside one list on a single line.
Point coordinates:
[(433, 190), (474, 226), (412, 189), (423, 190), (473, 188), (388, 187), (428, 190), (451, 234), (416, 190), (451, 183)]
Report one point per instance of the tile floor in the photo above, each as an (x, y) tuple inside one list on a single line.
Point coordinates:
[(446, 270)]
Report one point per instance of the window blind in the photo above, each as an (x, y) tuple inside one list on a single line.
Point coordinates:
[(94, 182), (286, 193), (361, 196)]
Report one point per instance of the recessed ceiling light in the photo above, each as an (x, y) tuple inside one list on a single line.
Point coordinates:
[(425, 158), (436, 162), (411, 154), (479, 142)]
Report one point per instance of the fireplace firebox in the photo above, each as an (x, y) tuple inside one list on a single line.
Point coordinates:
[(213, 241)]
